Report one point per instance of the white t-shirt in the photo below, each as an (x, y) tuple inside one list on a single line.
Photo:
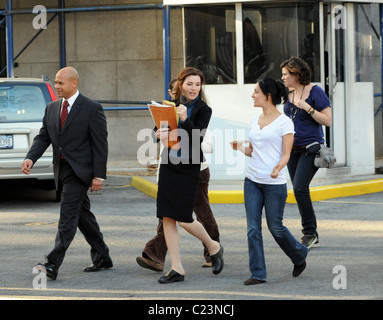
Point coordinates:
[(267, 149)]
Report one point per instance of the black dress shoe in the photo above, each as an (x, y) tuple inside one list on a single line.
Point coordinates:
[(217, 261), (100, 265), (49, 269), (299, 269), (172, 276)]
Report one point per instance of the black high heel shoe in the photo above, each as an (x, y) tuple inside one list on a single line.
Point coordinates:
[(172, 276), (217, 261)]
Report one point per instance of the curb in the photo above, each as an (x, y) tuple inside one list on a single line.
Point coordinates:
[(346, 189), (145, 186), (317, 193)]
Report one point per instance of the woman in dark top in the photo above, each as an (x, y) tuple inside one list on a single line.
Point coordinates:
[(179, 173), (309, 108)]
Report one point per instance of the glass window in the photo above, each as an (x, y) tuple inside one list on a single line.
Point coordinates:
[(363, 43), (274, 32), (210, 42), (21, 103)]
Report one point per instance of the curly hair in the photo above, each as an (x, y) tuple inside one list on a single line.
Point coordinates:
[(298, 67)]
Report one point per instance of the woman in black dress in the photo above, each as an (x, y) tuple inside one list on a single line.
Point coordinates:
[(179, 173)]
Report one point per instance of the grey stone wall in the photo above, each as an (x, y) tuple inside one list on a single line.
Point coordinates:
[(119, 56)]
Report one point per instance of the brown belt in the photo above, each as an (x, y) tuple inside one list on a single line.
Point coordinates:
[(299, 147)]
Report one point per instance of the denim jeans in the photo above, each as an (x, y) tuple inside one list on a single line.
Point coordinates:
[(302, 170), (272, 198)]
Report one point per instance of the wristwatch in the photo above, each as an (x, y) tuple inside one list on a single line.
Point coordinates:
[(311, 111)]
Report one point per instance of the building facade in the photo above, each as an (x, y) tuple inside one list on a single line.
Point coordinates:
[(120, 56), (237, 42)]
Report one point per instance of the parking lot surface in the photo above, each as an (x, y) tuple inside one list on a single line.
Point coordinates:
[(346, 265)]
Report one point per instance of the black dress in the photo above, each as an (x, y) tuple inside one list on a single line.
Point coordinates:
[(177, 189), (178, 180)]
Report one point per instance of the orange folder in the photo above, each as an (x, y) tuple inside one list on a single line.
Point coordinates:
[(165, 114)]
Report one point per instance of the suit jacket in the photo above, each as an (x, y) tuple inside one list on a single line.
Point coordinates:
[(199, 119), (82, 141)]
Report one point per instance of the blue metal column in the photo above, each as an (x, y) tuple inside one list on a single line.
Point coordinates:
[(9, 32), (62, 39), (381, 59), (166, 50)]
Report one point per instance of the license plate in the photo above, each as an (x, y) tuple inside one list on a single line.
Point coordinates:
[(6, 141)]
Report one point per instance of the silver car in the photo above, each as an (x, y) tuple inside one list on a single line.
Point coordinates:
[(22, 106)]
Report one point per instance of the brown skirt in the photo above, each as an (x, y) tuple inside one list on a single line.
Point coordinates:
[(177, 188)]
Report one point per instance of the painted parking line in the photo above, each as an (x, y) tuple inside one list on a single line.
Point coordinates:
[(353, 202), (165, 295)]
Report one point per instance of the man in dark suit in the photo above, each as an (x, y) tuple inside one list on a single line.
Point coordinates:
[(76, 128)]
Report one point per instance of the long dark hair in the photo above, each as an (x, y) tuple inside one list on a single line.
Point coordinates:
[(275, 88)]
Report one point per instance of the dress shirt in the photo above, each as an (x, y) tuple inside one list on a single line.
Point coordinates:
[(70, 100)]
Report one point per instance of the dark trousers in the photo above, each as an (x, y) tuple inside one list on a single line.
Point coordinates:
[(75, 212), (156, 248), (302, 170)]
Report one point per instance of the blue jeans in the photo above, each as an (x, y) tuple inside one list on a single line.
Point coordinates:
[(302, 170), (273, 198)]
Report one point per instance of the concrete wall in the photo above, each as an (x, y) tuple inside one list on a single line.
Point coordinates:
[(119, 56)]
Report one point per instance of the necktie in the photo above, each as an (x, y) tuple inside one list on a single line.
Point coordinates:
[(64, 113)]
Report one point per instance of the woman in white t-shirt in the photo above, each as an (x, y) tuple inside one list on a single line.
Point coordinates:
[(271, 138)]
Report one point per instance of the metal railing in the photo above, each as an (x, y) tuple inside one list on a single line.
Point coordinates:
[(143, 105), (381, 105)]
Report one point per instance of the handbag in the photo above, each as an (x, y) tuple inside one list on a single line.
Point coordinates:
[(324, 158)]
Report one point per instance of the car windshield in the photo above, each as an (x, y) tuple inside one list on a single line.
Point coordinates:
[(22, 102)]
